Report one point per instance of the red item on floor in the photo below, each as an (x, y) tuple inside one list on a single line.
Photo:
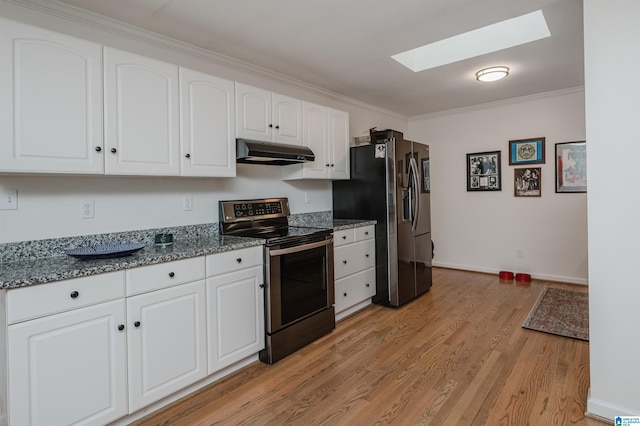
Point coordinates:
[(506, 275), (523, 277)]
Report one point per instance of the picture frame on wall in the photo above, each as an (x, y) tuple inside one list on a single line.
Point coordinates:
[(571, 167), (527, 182), (484, 171), (526, 151)]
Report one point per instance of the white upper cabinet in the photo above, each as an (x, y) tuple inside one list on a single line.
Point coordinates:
[(338, 142), (266, 116), (142, 128), (207, 130), (326, 133), (50, 102)]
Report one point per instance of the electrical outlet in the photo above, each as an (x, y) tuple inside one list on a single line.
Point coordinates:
[(188, 203), (8, 199), (520, 252), (86, 211), (307, 197)]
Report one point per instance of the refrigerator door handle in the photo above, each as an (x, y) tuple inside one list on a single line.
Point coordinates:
[(416, 194)]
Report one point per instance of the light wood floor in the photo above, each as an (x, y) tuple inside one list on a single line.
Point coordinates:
[(455, 356)]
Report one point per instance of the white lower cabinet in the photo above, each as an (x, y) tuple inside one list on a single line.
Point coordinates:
[(93, 350), (235, 314), (355, 269), (166, 339), (69, 368)]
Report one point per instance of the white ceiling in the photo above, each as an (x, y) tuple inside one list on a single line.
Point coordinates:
[(345, 45)]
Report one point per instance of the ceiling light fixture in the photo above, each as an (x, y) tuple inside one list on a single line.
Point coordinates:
[(492, 74)]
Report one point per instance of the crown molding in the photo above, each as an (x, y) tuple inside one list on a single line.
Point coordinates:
[(495, 104), (109, 25)]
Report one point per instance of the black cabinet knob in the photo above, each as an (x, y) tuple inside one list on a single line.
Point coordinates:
[(121, 327), (366, 232), (367, 284), (239, 260), (136, 324), (332, 165), (344, 261), (262, 286), (74, 294), (326, 165), (366, 255), (114, 150), (277, 127), (188, 155), (345, 294), (270, 126), (98, 148), (344, 237), (172, 274)]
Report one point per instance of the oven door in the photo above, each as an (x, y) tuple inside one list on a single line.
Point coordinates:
[(299, 281)]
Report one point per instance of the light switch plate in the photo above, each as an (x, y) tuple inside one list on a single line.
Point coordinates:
[(8, 199)]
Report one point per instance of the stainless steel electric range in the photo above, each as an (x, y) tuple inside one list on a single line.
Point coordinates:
[(299, 276)]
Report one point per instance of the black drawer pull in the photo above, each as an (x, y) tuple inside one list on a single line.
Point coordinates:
[(74, 294), (366, 255), (136, 324), (367, 284), (366, 233), (98, 148), (344, 237), (114, 150), (262, 286), (345, 295), (344, 261), (121, 327), (239, 260), (188, 156), (171, 274)]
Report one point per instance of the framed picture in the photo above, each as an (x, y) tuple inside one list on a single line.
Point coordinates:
[(526, 151), (483, 171), (527, 182), (426, 176), (571, 167)]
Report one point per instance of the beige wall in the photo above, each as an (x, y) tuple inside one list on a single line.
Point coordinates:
[(483, 230)]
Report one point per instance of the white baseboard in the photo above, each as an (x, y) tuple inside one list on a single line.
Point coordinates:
[(546, 277), (603, 409)]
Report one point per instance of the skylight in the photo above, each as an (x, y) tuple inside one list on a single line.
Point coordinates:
[(502, 35)]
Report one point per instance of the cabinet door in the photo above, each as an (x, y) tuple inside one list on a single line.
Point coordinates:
[(235, 317), (253, 113), (50, 101), (69, 368), (339, 143), (315, 137), (208, 135), (287, 119), (141, 115), (166, 339)]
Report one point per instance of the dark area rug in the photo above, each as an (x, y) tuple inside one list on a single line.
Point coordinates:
[(560, 312)]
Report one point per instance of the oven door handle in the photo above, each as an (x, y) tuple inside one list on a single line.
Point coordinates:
[(303, 247)]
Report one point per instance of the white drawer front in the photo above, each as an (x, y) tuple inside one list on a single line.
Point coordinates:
[(365, 233), (346, 236), (234, 260), (355, 288), (355, 257), (163, 275), (45, 299)]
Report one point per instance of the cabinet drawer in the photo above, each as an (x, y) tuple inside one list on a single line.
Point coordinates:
[(163, 275), (355, 257), (355, 288), (234, 260), (365, 233), (346, 236), (40, 300)]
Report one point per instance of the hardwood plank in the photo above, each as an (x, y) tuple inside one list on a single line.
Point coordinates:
[(456, 356)]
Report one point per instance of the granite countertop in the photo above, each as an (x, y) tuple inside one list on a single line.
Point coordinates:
[(21, 273), (40, 271)]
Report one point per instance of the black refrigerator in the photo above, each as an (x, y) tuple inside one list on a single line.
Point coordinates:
[(390, 182)]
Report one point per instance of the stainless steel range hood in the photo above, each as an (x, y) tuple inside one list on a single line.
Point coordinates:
[(275, 154)]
